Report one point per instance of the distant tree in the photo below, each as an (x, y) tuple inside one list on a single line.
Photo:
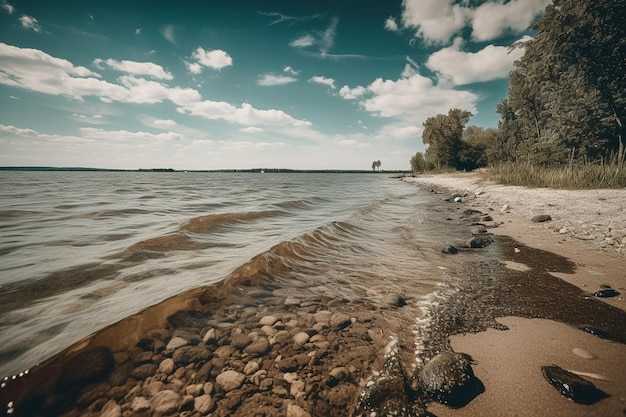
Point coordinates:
[(444, 136), (418, 163), (376, 164)]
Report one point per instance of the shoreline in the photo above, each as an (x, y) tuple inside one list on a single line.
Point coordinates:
[(255, 346)]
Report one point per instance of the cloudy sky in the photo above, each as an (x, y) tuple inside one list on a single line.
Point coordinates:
[(246, 83)]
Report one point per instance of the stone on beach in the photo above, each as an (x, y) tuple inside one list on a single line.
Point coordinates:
[(340, 321), (450, 250), (203, 404), (479, 241), (176, 343), (165, 402), (449, 379), (230, 380), (540, 218), (571, 386)]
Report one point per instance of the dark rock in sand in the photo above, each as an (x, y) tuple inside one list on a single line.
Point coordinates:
[(450, 250), (471, 212), (340, 321), (571, 386), (449, 379), (606, 293), (479, 241), (602, 334), (541, 218), (394, 300), (88, 366)]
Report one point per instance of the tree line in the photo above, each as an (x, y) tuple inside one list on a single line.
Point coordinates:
[(566, 102)]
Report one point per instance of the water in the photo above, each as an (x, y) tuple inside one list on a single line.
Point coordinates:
[(82, 250)]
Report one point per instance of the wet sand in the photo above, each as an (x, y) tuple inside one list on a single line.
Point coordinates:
[(259, 346)]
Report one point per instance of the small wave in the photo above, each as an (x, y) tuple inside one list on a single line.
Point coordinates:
[(17, 213), (203, 224), (156, 247), (293, 204)]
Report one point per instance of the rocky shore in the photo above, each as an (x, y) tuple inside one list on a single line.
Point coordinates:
[(260, 346)]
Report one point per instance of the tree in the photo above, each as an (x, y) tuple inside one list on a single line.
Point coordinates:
[(376, 164), (567, 94), (443, 134), (418, 163)]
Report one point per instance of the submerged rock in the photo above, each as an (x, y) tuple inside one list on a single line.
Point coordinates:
[(479, 241), (571, 386), (450, 250), (449, 379)]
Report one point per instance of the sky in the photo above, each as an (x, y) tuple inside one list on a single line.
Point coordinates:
[(243, 84)]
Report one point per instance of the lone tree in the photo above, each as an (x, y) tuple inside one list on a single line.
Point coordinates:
[(376, 164), (444, 136)]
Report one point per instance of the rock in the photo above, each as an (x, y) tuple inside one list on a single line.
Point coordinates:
[(479, 241), (268, 321), (111, 409), (394, 300), (190, 354), (165, 402), (449, 379), (479, 230), (471, 212), (606, 293), (258, 348), (340, 321), (230, 380), (340, 373), (571, 386), (187, 403), (323, 317), (582, 353), (450, 250), (203, 404), (143, 371), (458, 199), (194, 390), (597, 332), (251, 368), (87, 366), (240, 341), (301, 338), (167, 366), (210, 337), (150, 389), (505, 209), (294, 410), (540, 218), (140, 404), (176, 343)]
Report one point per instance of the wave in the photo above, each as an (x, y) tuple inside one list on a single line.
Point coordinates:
[(107, 214), (203, 224)]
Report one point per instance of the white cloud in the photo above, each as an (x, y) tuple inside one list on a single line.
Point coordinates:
[(8, 7), (490, 63), (167, 32), (435, 21), (245, 115), (165, 124), (251, 129), (303, 42), (272, 80), (29, 22), (323, 80), (127, 136), (290, 70), (492, 20), (352, 93), (400, 131), (135, 68), (215, 59), (138, 31), (327, 38), (391, 24)]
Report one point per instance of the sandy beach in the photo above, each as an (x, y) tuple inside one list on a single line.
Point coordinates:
[(588, 227), (256, 347)]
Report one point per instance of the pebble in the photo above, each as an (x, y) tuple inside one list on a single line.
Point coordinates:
[(251, 368), (340, 321), (210, 336), (165, 402), (176, 343), (167, 366), (583, 353), (301, 338), (111, 409), (203, 404), (140, 404), (268, 321), (258, 348), (230, 380), (294, 410)]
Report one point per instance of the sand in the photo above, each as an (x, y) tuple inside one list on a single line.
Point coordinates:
[(589, 228)]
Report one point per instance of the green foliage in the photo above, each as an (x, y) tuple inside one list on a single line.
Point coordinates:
[(567, 94), (418, 163), (444, 136), (582, 176)]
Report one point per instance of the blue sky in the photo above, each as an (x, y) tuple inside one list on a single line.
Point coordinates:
[(246, 84)]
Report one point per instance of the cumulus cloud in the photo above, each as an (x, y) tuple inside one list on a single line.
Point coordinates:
[(435, 21), (458, 67), (244, 115), (491, 20), (439, 21), (251, 129), (272, 80), (7, 6), (391, 24), (352, 93), (215, 59), (323, 80), (29, 22), (165, 124), (167, 32), (135, 68)]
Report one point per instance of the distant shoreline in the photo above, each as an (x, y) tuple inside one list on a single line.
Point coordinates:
[(251, 170)]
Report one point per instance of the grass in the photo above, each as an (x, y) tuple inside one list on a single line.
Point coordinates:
[(571, 177)]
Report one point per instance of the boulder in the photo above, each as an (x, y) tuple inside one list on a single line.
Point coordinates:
[(571, 386), (449, 379)]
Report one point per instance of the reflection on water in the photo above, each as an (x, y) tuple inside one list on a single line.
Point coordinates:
[(81, 250)]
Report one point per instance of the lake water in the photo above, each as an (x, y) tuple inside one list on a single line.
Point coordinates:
[(82, 250)]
